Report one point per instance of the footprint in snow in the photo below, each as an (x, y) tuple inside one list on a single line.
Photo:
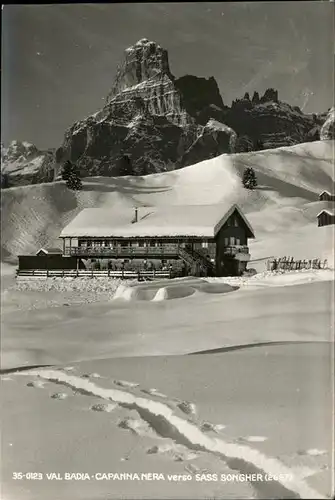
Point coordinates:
[(91, 375), (313, 452), (253, 439), (125, 383), (154, 392), (137, 426), (177, 452), (187, 407), (194, 469), (209, 427), (183, 457), (59, 395), (38, 384), (103, 407)]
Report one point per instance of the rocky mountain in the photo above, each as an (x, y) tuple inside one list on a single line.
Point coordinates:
[(151, 118), (270, 123), (22, 163), (328, 129), (154, 122)]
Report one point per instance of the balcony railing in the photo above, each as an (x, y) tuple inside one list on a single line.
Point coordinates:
[(234, 249), (128, 251)]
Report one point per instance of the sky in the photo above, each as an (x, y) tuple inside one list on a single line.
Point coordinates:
[(59, 61)]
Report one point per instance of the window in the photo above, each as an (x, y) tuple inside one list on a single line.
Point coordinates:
[(232, 241), (238, 241), (235, 221), (152, 243), (141, 243), (204, 244)]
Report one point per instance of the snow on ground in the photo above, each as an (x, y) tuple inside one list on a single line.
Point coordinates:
[(277, 278), (129, 428), (264, 312), (290, 177), (268, 403)]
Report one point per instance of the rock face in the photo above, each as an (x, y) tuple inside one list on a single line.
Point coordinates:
[(143, 61), (162, 123), (22, 163), (158, 121), (270, 123), (153, 122), (328, 129)]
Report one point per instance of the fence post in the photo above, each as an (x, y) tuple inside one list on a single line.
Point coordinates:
[(47, 273), (92, 272), (122, 273)]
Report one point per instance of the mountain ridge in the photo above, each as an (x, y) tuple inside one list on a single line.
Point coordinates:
[(154, 122)]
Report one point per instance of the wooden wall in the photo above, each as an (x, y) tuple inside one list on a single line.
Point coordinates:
[(326, 219)]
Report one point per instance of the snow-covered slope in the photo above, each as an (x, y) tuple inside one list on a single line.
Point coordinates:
[(22, 163), (284, 205)]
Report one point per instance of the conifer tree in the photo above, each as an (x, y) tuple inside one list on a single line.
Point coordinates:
[(66, 170), (71, 175), (125, 165), (249, 178)]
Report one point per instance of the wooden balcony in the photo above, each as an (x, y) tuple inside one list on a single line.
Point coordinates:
[(163, 251), (236, 249)]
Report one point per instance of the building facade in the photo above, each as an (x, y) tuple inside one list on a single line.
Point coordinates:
[(192, 240), (326, 217), (326, 196)]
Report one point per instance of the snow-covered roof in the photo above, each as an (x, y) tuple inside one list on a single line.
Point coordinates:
[(54, 250), (173, 220), (327, 192), (330, 211)]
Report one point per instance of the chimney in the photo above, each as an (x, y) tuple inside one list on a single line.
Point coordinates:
[(136, 214)]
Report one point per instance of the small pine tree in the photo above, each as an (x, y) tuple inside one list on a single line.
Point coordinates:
[(258, 145), (66, 170), (249, 178), (125, 165), (73, 180)]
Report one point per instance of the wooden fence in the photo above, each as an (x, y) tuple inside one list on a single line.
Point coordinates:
[(94, 273), (289, 264)]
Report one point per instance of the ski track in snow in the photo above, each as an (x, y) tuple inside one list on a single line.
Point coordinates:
[(160, 419)]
